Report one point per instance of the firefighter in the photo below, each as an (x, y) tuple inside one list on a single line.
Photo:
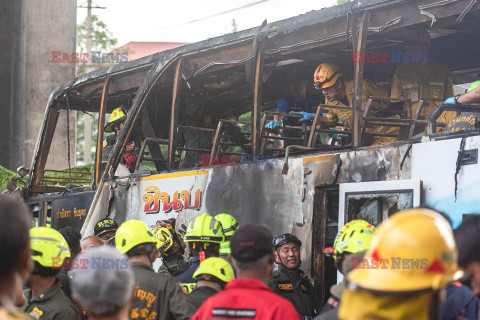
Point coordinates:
[(289, 281), (45, 298), (156, 296), (111, 297), (229, 225), (422, 78), (466, 121), (348, 249), (105, 229), (339, 92), (173, 261), (298, 102), (410, 261), (203, 236), (15, 266), (115, 124), (248, 296), (212, 276)]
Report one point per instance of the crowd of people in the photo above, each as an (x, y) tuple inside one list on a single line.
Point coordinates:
[(408, 267)]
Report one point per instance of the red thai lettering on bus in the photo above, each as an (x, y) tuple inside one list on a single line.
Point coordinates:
[(156, 201)]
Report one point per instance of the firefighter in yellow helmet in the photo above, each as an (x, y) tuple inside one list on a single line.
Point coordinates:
[(173, 261), (411, 259), (203, 237), (421, 77), (115, 124), (338, 91), (229, 225), (212, 276), (44, 296), (157, 296)]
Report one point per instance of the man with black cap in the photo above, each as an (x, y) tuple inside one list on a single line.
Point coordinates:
[(248, 296), (289, 281), (105, 229)]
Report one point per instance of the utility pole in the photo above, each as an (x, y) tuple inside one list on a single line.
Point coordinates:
[(87, 131)]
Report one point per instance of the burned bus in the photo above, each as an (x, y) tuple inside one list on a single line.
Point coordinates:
[(211, 100)]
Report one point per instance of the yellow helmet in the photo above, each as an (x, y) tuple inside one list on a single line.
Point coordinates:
[(229, 225), (132, 233), (217, 267), (204, 229), (49, 248), (164, 239), (414, 250), (326, 75), (116, 116)]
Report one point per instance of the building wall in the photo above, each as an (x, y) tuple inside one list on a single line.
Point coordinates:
[(33, 29)]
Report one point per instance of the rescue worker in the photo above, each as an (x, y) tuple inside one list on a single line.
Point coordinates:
[(203, 237), (350, 243), (156, 296), (466, 121), (105, 229), (45, 298), (115, 124), (212, 275), (298, 102), (72, 237), (420, 79), (229, 225), (15, 266), (173, 261), (90, 241), (471, 97), (289, 281), (248, 296), (338, 91), (110, 298), (410, 261)]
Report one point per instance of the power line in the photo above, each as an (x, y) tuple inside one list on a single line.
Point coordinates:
[(213, 15)]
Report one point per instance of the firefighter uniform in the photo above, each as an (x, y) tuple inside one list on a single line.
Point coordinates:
[(426, 80), (158, 296), (294, 286), (51, 304), (186, 277), (246, 299), (173, 265), (346, 116)]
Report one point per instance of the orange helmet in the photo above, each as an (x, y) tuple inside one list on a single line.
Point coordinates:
[(326, 75), (421, 37)]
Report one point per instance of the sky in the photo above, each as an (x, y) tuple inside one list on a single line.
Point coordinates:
[(189, 20)]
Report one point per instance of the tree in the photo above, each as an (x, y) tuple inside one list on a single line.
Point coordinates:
[(342, 1)]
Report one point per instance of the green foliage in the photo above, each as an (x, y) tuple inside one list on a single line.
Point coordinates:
[(64, 176), (342, 1)]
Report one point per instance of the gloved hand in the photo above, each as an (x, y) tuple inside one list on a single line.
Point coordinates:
[(334, 135), (272, 125), (130, 160), (306, 115), (450, 100)]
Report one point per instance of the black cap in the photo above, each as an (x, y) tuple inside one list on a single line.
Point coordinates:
[(105, 225), (251, 242)]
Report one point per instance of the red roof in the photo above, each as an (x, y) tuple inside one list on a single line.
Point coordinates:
[(142, 49)]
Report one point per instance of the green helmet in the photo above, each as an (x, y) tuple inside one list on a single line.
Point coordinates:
[(353, 237), (49, 247), (229, 225), (204, 229), (474, 85), (131, 234), (216, 267)]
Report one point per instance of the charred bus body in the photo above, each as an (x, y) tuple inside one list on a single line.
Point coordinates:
[(199, 91)]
